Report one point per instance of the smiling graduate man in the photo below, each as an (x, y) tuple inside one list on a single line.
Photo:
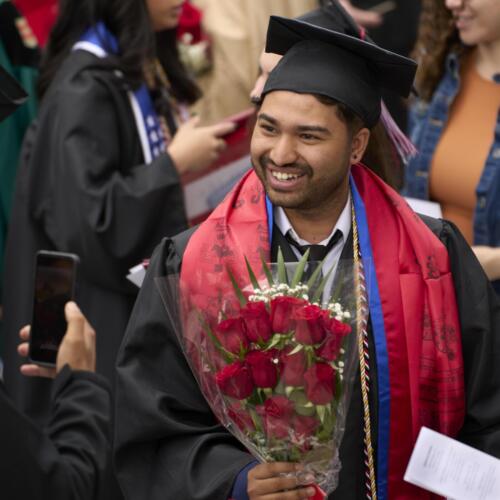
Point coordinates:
[(432, 336)]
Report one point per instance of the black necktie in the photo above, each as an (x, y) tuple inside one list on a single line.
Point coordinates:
[(316, 252)]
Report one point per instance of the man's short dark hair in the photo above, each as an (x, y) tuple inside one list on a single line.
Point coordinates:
[(346, 114)]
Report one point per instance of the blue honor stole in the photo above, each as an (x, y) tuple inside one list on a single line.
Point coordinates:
[(101, 42)]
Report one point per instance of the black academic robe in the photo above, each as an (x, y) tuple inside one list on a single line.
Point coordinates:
[(168, 443), (83, 187), (69, 458)]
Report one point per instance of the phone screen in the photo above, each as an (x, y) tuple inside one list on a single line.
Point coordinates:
[(55, 276)]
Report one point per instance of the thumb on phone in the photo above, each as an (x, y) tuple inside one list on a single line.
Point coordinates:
[(77, 348)]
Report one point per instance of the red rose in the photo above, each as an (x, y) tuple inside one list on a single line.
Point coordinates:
[(240, 417), (279, 407), (274, 427), (235, 380), (320, 383), (338, 328), (310, 325), (257, 322), (264, 369), (293, 367), (276, 414), (305, 427), (231, 334), (282, 312), (330, 349)]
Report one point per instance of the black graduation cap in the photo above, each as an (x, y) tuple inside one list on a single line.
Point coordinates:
[(11, 94), (331, 15), (320, 61)]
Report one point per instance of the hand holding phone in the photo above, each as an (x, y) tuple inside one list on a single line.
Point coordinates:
[(77, 348), (55, 281)]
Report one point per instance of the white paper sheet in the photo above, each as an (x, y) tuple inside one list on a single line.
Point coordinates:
[(425, 207), (136, 275), (452, 469)]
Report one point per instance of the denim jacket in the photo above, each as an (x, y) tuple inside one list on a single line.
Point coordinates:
[(427, 122)]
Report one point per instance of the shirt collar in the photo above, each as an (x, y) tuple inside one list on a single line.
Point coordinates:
[(344, 223)]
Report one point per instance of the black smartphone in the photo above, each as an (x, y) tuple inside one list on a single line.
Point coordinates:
[(55, 284)]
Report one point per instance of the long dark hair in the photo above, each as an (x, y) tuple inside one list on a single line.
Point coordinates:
[(437, 37), (130, 23)]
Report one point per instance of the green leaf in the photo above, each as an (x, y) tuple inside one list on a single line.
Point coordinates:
[(253, 278), (295, 454), (280, 388), (267, 392), (297, 349), (325, 435), (297, 277), (266, 270), (255, 419), (242, 299), (302, 404), (319, 291), (282, 278), (229, 357), (315, 275), (274, 342), (321, 410)]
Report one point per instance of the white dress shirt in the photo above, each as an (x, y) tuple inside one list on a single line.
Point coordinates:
[(343, 225)]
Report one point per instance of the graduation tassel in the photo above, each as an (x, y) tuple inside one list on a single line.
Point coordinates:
[(405, 148)]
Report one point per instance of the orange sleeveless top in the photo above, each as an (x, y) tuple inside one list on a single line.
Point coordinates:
[(464, 146)]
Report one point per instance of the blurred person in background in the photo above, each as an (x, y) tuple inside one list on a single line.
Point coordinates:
[(101, 165), (456, 121), (19, 56), (237, 30), (69, 456), (392, 24)]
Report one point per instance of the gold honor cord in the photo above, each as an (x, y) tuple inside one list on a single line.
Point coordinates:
[(364, 358)]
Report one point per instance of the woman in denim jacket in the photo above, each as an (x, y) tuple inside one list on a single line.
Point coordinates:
[(455, 124)]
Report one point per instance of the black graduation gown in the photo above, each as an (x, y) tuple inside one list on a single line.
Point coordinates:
[(168, 444), (69, 458), (83, 187)]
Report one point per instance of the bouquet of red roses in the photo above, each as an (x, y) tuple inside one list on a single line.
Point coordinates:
[(276, 365)]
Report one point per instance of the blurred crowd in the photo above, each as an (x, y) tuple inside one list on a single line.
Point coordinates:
[(128, 101)]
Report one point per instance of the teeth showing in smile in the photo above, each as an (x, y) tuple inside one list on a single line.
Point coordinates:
[(284, 177)]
